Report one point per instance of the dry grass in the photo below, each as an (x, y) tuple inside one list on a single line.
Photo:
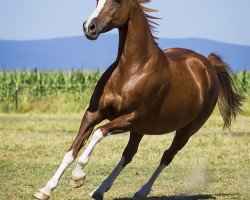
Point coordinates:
[(214, 164)]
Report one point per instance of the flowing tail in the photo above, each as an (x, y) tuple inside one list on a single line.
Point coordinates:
[(229, 101)]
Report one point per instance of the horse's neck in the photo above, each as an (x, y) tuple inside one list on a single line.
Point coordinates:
[(136, 43)]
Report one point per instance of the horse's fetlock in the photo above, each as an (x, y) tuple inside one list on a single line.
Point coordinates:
[(52, 184)]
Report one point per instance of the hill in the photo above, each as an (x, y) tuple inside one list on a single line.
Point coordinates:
[(78, 52)]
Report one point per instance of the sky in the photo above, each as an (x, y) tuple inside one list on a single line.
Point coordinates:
[(221, 20)]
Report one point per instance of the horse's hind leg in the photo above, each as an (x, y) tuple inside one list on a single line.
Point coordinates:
[(127, 157), (88, 122), (180, 140), (178, 143)]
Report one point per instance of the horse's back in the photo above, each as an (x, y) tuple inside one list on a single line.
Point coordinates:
[(177, 55), (186, 60), (178, 52)]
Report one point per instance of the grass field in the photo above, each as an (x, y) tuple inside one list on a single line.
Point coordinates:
[(214, 165)]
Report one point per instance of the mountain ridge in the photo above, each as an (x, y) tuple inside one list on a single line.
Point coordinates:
[(76, 52)]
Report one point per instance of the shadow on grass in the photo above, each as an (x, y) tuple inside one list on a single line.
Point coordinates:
[(177, 197), (185, 197)]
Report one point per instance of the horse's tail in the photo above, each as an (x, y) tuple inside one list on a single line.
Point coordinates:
[(229, 101)]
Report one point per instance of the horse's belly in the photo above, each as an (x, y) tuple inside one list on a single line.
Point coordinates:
[(177, 110), (166, 123)]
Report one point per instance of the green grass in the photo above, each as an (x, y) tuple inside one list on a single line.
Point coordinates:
[(215, 162)]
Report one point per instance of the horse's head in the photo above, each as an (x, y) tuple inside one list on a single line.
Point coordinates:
[(108, 14)]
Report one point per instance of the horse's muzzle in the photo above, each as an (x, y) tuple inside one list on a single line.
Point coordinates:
[(91, 31)]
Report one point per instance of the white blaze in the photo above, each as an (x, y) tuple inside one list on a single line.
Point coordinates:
[(96, 13)]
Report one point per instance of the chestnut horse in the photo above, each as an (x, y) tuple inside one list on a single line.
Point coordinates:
[(146, 91)]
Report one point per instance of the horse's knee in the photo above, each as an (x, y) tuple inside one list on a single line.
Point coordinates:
[(68, 158)]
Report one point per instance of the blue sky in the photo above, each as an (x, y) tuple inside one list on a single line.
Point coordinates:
[(221, 20)]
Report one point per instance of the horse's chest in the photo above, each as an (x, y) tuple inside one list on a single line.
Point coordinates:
[(116, 104), (111, 106)]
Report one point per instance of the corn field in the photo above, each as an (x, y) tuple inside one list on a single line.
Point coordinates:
[(36, 86), (20, 87), (242, 82)]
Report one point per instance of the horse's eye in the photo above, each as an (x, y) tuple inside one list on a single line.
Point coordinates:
[(117, 1)]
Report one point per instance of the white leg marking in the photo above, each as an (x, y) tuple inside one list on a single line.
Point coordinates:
[(107, 183), (83, 159), (53, 182), (78, 173), (96, 13), (145, 190)]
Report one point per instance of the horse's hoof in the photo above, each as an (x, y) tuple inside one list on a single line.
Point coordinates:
[(77, 183), (96, 195), (139, 196), (41, 196)]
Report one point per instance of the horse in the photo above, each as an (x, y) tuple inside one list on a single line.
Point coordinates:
[(146, 91)]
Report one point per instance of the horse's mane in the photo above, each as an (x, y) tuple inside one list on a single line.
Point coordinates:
[(152, 24)]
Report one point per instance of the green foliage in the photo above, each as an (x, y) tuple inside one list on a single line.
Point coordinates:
[(31, 88), (57, 91), (242, 81)]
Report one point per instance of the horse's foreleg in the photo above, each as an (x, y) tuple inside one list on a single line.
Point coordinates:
[(127, 157), (78, 174), (118, 125), (178, 143), (85, 130)]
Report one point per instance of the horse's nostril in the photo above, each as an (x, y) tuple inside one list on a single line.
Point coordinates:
[(92, 28)]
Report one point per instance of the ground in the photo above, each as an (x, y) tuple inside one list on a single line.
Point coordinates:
[(215, 164)]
